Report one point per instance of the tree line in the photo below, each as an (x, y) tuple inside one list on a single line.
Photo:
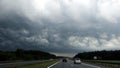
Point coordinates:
[(21, 54), (100, 55)]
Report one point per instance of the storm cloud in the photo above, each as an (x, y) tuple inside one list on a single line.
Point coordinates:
[(60, 26)]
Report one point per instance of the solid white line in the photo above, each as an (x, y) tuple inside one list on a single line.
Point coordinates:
[(90, 65), (53, 64)]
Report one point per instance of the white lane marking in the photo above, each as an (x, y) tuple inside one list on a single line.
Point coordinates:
[(90, 65), (53, 64)]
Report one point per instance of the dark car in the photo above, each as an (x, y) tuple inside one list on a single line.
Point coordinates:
[(64, 60)]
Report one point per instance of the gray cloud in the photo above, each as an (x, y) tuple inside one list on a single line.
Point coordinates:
[(60, 26)]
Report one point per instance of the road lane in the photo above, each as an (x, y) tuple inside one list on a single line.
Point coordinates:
[(70, 64)]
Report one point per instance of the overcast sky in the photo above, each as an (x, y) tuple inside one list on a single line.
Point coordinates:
[(60, 26)]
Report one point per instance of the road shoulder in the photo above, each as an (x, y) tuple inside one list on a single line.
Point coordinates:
[(53, 64)]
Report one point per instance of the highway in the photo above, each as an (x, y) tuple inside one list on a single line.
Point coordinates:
[(70, 64), (60, 64)]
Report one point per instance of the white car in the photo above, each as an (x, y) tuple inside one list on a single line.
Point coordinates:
[(77, 61)]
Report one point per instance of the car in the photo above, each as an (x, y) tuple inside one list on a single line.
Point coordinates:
[(77, 61), (64, 60)]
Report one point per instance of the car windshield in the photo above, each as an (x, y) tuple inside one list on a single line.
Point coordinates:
[(69, 31)]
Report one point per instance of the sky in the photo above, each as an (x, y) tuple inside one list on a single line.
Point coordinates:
[(62, 27)]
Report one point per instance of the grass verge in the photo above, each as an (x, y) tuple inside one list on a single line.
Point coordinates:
[(35, 65), (105, 63)]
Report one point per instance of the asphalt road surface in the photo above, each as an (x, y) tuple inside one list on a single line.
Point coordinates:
[(70, 64)]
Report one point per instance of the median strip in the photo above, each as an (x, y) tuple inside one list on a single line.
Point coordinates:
[(43, 64)]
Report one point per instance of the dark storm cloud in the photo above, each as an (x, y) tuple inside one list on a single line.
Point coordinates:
[(64, 26)]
